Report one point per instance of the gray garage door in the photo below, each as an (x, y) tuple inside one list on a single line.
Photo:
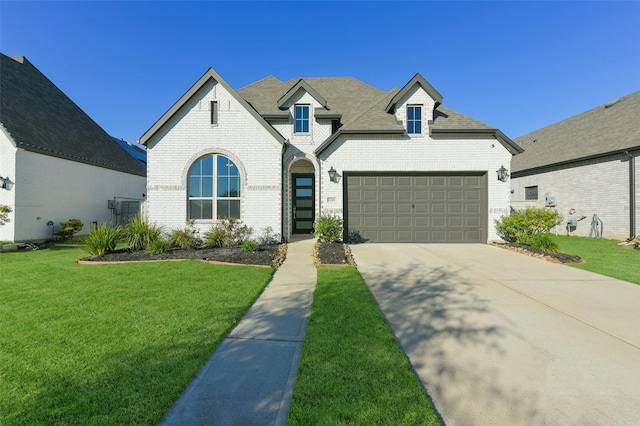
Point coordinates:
[(417, 208)]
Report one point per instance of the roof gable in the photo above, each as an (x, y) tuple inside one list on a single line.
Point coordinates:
[(604, 130), (301, 84), (211, 74), (419, 80), (40, 118)]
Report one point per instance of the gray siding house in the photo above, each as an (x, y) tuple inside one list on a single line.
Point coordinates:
[(585, 166)]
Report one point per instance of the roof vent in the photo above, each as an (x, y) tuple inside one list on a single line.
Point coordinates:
[(612, 103)]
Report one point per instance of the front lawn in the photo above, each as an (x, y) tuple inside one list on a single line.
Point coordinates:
[(352, 369), (603, 256), (109, 344)]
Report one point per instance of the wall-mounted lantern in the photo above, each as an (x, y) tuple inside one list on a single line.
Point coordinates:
[(503, 174), (333, 175), (6, 183)]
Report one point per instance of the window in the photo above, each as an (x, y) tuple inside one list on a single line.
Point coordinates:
[(214, 112), (302, 118), (531, 193), (414, 119), (214, 188)]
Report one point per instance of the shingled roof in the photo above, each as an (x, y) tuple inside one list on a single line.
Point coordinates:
[(40, 118), (361, 108), (608, 129)]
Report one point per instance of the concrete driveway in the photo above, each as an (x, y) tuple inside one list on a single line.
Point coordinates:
[(501, 338)]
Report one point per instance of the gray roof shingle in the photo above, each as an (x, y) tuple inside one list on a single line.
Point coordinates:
[(613, 127), (40, 118)]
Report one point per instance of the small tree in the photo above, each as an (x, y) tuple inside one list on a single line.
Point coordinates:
[(521, 225), (4, 214), (70, 228)]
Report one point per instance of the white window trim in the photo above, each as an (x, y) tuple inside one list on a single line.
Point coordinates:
[(309, 121), (421, 121)]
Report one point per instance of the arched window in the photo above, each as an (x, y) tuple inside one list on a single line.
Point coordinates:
[(214, 188)]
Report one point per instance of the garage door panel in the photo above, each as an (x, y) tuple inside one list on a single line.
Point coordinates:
[(417, 208)]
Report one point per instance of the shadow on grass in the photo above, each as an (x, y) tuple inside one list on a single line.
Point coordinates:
[(445, 329)]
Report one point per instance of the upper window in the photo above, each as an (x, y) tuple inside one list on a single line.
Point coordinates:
[(414, 119), (214, 188), (302, 118), (531, 193)]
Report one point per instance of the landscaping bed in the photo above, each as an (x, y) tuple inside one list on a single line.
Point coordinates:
[(549, 256), (333, 253), (268, 255)]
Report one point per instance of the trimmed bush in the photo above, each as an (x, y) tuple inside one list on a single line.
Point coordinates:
[(543, 242), (521, 225), (228, 232), (139, 232), (327, 228), (103, 239), (69, 229)]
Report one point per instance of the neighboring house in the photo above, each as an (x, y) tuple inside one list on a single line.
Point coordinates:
[(585, 166), (56, 162), (396, 166), (137, 151)]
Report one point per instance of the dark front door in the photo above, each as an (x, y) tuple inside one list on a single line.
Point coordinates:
[(303, 203)]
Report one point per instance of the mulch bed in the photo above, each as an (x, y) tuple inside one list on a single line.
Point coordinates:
[(267, 255), (549, 256), (334, 253)]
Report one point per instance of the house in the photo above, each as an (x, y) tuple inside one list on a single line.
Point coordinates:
[(584, 167), (397, 166), (56, 163)]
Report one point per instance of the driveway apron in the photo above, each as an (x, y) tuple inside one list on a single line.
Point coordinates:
[(501, 338)]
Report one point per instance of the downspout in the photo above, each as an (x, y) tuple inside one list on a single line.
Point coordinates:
[(632, 195)]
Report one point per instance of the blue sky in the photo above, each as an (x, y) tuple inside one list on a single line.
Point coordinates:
[(518, 66)]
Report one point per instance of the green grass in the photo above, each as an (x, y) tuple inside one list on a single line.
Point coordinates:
[(603, 256), (109, 344), (352, 369)]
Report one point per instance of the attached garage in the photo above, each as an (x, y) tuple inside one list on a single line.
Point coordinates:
[(417, 207)]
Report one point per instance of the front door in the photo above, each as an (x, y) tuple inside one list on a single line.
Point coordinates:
[(303, 203)]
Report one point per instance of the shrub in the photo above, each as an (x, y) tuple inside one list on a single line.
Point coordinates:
[(543, 242), (158, 246), (103, 239), (248, 245), (327, 228), (228, 232), (268, 237), (4, 214), (139, 232), (68, 229), (186, 238), (521, 225)]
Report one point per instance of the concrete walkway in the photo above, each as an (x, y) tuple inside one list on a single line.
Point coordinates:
[(249, 379)]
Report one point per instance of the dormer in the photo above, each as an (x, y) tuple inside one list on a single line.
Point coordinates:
[(414, 104), (305, 107)]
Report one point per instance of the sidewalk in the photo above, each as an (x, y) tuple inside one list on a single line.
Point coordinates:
[(249, 379)]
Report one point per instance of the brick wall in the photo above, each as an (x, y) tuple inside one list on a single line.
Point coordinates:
[(189, 135), (599, 186)]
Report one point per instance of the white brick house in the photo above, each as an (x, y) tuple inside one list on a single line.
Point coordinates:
[(585, 166), (396, 166), (57, 164)]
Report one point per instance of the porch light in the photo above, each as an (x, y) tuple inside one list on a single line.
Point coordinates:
[(503, 174), (333, 175), (6, 183)]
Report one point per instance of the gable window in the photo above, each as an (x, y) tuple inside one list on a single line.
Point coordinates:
[(414, 119), (214, 113), (302, 118), (531, 193), (214, 188)]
